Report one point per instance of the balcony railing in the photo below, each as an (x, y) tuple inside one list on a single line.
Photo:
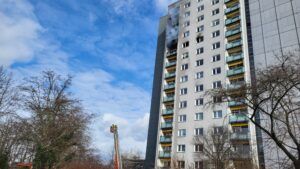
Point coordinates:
[(168, 98), (172, 52), (235, 85), (240, 136), (166, 125), (165, 139), (235, 71), (169, 75), (238, 119), (169, 86), (164, 154), (234, 44), (235, 103), (169, 64), (167, 111), (232, 20), (233, 31), (235, 57), (232, 8)]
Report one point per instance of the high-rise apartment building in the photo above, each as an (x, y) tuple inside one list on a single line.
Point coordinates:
[(206, 44)]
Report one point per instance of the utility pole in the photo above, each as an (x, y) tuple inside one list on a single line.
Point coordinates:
[(117, 157)]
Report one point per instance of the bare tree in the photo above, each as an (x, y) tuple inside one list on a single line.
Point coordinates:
[(274, 98), (58, 121)]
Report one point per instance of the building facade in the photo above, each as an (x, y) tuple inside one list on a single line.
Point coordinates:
[(207, 44)]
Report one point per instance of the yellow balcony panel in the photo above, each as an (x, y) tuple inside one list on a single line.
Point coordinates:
[(239, 124), (236, 63), (236, 77), (230, 2), (168, 117), (234, 37), (238, 108), (171, 79), (166, 130), (165, 144)]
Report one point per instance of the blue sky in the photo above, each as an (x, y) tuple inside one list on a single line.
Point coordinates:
[(107, 45)]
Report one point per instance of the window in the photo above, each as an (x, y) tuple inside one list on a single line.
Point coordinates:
[(199, 62), (216, 71), (216, 11), (187, 14), (199, 165), (185, 44), (185, 55), (216, 45), (200, 50), (184, 78), (183, 91), (216, 33), (199, 39), (186, 5), (186, 24), (182, 132), (217, 99), (217, 114), (200, 18), (199, 75), (181, 164), (186, 34), (199, 88), (199, 102), (200, 8), (216, 22), (183, 104), (217, 84), (181, 148), (218, 130), (182, 118), (216, 58), (198, 131), (214, 2), (198, 147), (184, 66), (200, 28), (199, 116)]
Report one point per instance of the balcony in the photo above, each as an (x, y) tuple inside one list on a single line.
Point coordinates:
[(235, 85), (166, 125), (172, 52), (232, 20), (169, 64), (164, 154), (227, 1), (235, 57), (234, 44), (240, 136), (238, 119), (168, 99), (232, 8), (235, 71), (232, 32), (240, 155), (171, 74), (235, 103), (169, 86), (167, 111), (165, 139)]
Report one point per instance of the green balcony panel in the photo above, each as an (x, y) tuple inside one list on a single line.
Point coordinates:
[(232, 20), (238, 119), (169, 86), (235, 103), (235, 57), (232, 8), (167, 112), (164, 154), (165, 139), (235, 85), (236, 71), (166, 125), (168, 98), (240, 136), (169, 75), (234, 44), (232, 32), (169, 64), (172, 52)]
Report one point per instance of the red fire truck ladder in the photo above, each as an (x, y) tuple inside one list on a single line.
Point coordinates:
[(117, 157)]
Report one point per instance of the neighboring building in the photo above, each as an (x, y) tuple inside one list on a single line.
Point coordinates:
[(206, 44)]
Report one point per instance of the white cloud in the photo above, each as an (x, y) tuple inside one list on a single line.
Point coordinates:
[(19, 32)]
